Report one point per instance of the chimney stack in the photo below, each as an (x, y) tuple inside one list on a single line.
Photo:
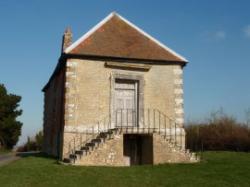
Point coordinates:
[(67, 39)]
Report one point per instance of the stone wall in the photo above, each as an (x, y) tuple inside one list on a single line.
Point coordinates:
[(178, 94), (54, 115), (109, 153), (89, 90), (164, 152)]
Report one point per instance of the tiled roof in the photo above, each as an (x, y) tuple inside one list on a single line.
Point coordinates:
[(117, 37)]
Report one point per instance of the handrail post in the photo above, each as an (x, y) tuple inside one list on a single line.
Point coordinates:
[(116, 118), (121, 117), (109, 120), (159, 122), (143, 118), (137, 122), (127, 117), (132, 126), (181, 138), (86, 134), (170, 129), (81, 139), (74, 146), (69, 148), (92, 131), (104, 125), (154, 121), (148, 120), (74, 151), (165, 126), (98, 128), (175, 132)]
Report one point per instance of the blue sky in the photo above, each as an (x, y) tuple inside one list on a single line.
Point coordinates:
[(213, 35)]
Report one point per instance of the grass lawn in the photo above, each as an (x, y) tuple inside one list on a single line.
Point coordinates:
[(4, 151), (217, 169)]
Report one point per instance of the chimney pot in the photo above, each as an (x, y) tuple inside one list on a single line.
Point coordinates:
[(67, 39)]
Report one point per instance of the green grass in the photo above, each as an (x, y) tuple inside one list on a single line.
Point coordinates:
[(4, 151), (217, 169)]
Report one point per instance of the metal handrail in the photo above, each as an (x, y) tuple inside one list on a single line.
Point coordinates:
[(146, 120), (88, 131)]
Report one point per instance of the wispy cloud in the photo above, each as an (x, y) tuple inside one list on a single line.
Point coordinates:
[(247, 31), (220, 35), (214, 35)]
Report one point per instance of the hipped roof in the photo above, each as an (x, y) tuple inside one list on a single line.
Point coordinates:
[(115, 36)]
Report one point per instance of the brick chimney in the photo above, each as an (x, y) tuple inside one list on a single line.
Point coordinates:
[(67, 39)]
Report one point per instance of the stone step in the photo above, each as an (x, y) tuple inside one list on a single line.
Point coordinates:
[(178, 148), (102, 135), (110, 131), (72, 156), (106, 135), (79, 152), (91, 145), (96, 140), (85, 148), (66, 160)]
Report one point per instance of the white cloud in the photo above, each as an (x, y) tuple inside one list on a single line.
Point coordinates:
[(247, 31), (220, 35), (214, 35)]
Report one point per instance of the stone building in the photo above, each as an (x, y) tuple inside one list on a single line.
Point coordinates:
[(115, 98)]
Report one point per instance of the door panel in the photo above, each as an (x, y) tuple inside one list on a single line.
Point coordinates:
[(125, 104)]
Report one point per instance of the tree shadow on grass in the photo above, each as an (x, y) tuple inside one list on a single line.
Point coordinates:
[(37, 154)]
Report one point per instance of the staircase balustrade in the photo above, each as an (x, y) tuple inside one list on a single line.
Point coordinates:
[(128, 121)]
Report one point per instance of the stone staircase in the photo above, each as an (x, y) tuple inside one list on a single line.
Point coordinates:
[(90, 146), (154, 122), (189, 157), (176, 152)]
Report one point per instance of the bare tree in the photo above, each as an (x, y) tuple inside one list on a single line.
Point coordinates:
[(247, 115)]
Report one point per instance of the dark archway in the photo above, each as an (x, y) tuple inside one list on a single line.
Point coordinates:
[(139, 148)]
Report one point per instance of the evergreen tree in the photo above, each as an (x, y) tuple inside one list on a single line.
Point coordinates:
[(10, 128)]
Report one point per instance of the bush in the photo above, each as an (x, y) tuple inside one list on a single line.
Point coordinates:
[(32, 144), (220, 132)]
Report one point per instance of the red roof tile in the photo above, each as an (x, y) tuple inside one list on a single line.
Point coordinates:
[(117, 37)]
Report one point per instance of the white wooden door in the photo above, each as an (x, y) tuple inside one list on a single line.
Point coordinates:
[(126, 103)]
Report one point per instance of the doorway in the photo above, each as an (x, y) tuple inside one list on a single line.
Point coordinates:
[(126, 103), (138, 148)]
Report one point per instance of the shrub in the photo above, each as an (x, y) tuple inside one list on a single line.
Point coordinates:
[(219, 132), (32, 144)]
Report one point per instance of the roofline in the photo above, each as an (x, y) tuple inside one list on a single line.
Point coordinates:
[(96, 27), (123, 59)]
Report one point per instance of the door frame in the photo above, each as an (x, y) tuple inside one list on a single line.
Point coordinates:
[(130, 76)]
